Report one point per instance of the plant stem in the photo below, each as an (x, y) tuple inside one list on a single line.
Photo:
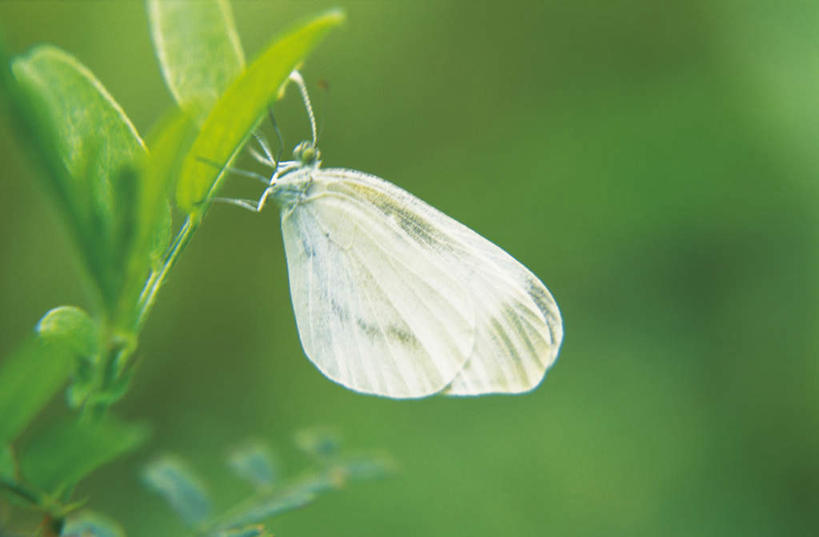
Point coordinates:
[(157, 277), (122, 345)]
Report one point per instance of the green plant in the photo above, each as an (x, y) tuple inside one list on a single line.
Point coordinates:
[(271, 495), (114, 191)]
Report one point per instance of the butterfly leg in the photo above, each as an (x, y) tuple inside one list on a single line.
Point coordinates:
[(268, 159), (238, 171), (265, 159), (286, 167), (262, 200), (250, 205)]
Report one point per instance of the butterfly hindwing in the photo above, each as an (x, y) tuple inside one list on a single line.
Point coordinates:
[(519, 326)]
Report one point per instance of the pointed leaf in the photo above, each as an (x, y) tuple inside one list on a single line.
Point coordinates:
[(198, 50), (181, 488), (75, 122), (88, 524), (29, 378), (254, 463), (238, 110), (58, 456), (169, 141)]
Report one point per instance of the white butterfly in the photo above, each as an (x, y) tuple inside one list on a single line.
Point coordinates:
[(393, 297)]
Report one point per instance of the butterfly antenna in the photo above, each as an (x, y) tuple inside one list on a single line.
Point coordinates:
[(325, 89), (296, 77)]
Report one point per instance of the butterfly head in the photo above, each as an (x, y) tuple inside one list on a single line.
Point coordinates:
[(307, 154)]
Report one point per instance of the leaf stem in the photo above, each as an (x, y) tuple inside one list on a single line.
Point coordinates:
[(157, 277)]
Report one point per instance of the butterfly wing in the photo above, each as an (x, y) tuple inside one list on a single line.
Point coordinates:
[(519, 326), (395, 298), (376, 311)]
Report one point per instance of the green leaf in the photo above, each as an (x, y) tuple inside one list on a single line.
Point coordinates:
[(29, 378), (74, 330), (169, 141), (160, 239), (7, 466), (254, 463), (89, 524), (77, 126), (59, 456), (181, 488), (198, 50), (71, 327), (237, 112)]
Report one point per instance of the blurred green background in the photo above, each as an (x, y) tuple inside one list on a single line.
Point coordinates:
[(654, 163)]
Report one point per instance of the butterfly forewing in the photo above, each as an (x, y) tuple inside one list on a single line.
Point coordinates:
[(375, 312), (395, 298)]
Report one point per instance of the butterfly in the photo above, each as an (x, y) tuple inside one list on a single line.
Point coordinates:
[(394, 298)]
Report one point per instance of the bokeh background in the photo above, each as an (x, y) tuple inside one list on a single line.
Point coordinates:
[(655, 163)]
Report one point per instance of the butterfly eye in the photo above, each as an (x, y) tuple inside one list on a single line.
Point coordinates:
[(306, 153)]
